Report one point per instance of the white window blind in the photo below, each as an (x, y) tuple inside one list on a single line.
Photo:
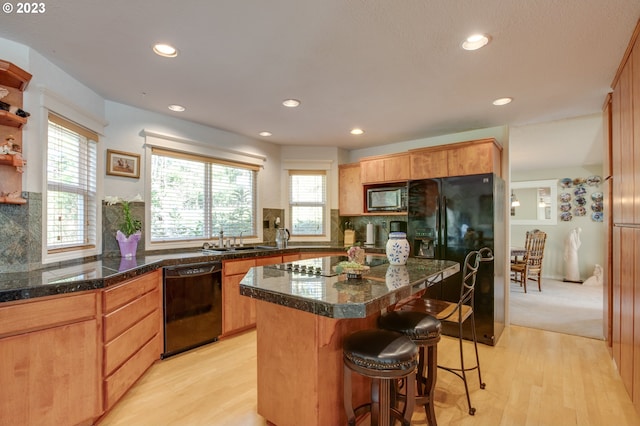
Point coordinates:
[(193, 197), (71, 186), (307, 201)]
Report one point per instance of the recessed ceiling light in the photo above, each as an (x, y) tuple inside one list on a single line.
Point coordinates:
[(357, 131), (291, 103), (165, 50), (502, 101), (176, 108), (475, 42), (265, 134)]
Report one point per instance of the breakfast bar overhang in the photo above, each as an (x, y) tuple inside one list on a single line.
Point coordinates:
[(303, 314)]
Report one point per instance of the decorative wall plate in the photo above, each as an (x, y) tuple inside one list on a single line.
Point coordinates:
[(597, 196), (580, 190), (580, 211), (597, 206), (565, 207), (565, 197), (566, 217), (597, 216), (580, 201), (579, 181), (594, 180), (566, 182)]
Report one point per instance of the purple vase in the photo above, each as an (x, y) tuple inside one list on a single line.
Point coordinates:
[(128, 245)]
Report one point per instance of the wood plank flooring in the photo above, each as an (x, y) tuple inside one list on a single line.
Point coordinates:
[(533, 377)]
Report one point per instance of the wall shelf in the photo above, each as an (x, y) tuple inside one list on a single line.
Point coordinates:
[(15, 81), (10, 119), (12, 76)]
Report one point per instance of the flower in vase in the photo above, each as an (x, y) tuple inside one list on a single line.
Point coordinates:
[(356, 254)]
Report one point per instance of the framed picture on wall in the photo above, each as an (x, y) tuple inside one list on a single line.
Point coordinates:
[(120, 163)]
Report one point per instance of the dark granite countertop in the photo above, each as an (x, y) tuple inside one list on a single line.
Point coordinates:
[(95, 274), (338, 297)]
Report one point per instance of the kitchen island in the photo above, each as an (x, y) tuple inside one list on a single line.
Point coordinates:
[(302, 318)]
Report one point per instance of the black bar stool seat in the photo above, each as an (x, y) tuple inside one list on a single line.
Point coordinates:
[(384, 356), (424, 330)]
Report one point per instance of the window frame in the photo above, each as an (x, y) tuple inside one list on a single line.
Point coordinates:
[(207, 204), (326, 231), (75, 125)]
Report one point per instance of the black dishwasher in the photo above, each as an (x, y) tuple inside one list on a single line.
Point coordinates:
[(192, 306)]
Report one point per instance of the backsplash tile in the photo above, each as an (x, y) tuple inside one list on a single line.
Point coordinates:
[(20, 235)]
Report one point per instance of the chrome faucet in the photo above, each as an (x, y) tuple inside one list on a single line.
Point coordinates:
[(241, 244), (221, 238)]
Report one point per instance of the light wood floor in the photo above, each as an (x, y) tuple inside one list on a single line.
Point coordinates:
[(533, 377)]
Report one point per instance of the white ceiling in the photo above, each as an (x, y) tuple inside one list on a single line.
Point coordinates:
[(394, 68)]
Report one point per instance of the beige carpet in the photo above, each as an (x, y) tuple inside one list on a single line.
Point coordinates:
[(567, 308)]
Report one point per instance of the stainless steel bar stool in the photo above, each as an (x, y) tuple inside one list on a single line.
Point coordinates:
[(385, 357), (424, 330)]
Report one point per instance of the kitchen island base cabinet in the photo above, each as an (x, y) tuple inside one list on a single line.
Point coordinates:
[(300, 366)]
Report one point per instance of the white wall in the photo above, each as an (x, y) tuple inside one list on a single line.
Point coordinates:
[(592, 250), (125, 133), (570, 148), (49, 78)]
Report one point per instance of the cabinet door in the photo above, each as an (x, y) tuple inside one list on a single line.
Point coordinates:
[(625, 172), (51, 376), (428, 164), (350, 192), (471, 159), (239, 311), (397, 168), (372, 171), (635, 82)]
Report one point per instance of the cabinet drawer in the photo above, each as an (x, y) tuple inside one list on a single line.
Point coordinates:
[(233, 267), (290, 257), (128, 343), (31, 316), (122, 294), (124, 377), (120, 320), (271, 260)]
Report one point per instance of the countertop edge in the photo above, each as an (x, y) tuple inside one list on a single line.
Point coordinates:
[(114, 277)]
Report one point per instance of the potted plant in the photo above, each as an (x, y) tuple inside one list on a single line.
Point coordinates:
[(130, 230)]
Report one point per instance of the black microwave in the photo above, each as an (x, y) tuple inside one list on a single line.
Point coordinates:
[(387, 199)]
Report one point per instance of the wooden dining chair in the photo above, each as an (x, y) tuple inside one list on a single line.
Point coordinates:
[(531, 265)]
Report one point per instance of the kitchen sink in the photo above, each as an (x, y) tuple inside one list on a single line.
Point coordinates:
[(220, 250)]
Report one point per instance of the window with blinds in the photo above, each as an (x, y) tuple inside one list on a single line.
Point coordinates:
[(307, 202), (194, 197), (71, 186)]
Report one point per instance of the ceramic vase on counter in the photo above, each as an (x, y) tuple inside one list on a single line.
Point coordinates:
[(128, 245), (397, 248)]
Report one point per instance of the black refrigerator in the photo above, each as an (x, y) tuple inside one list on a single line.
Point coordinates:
[(448, 218)]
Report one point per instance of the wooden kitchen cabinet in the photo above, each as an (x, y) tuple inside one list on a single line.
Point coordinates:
[(623, 292), (428, 163), (132, 333), (459, 159), (475, 157), (50, 369), (15, 81), (238, 311), (290, 257), (385, 168), (350, 190)]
